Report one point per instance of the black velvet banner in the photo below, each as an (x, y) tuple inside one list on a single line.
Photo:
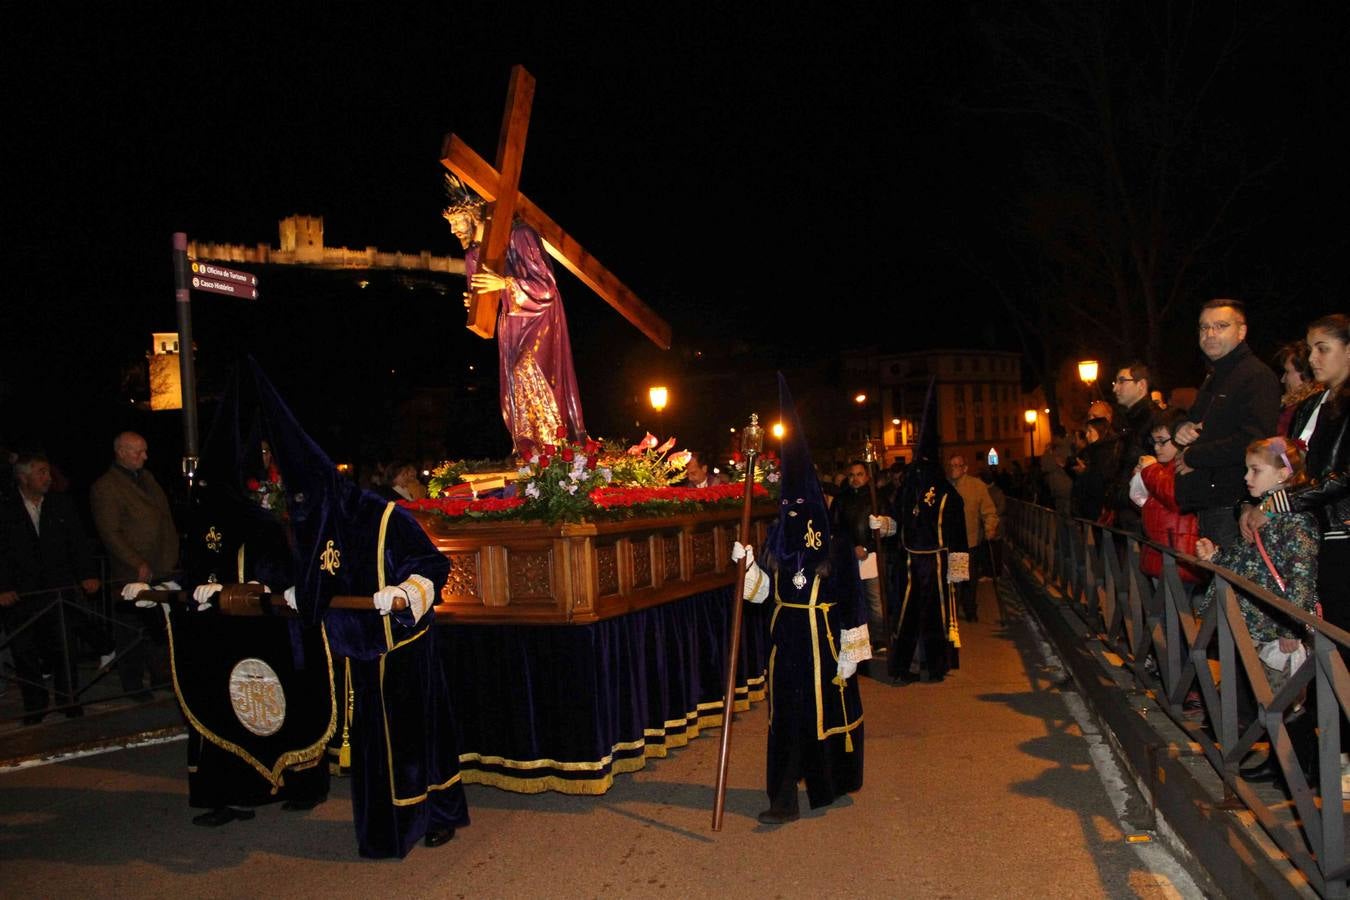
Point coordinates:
[(565, 707), (207, 647)]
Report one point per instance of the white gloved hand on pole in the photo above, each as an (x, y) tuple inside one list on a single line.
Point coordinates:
[(203, 594), (384, 598), (421, 594), (289, 595), (884, 524), (130, 591)]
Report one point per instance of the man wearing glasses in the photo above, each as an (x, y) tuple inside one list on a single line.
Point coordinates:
[(1138, 414), (1238, 403)]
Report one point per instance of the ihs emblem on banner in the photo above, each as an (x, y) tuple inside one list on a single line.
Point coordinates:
[(330, 560)]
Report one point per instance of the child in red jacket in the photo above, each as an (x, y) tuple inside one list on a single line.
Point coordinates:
[(1164, 522)]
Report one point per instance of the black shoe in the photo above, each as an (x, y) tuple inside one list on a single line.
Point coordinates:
[(223, 816), (303, 805), (773, 816), (905, 679), (438, 837)]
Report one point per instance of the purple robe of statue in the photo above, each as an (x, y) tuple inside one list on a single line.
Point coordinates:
[(534, 353)]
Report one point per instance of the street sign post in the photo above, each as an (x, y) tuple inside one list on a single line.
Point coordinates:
[(191, 276), (220, 280)]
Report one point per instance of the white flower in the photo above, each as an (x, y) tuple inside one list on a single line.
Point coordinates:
[(532, 491), (562, 482), (524, 471), (606, 474), (571, 489), (773, 477), (534, 459)]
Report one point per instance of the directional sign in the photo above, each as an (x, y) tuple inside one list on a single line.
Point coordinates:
[(220, 280)]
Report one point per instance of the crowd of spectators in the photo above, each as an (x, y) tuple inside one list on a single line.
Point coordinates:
[(1255, 476)]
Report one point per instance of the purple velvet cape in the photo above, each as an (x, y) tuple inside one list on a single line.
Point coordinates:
[(539, 323)]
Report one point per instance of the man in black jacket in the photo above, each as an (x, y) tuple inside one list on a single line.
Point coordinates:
[(848, 514), (1137, 414), (1238, 403), (43, 554)]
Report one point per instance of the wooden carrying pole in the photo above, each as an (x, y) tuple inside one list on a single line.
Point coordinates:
[(247, 600), (750, 439)]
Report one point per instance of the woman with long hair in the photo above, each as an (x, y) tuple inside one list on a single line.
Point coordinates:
[(1296, 375)]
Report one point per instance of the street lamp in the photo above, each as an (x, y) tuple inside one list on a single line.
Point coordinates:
[(777, 431), (1087, 371), (1030, 416), (659, 396)]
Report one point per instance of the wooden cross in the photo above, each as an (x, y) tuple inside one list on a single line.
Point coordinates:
[(499, 186)]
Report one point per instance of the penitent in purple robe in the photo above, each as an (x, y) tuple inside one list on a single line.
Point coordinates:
[(534, 353)]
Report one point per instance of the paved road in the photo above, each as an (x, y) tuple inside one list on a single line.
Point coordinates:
[(981, 786)]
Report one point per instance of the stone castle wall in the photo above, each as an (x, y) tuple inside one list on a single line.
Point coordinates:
[(301, 244)]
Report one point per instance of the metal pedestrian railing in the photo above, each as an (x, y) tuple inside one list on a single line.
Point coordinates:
[(1167, 645), (52, 624)]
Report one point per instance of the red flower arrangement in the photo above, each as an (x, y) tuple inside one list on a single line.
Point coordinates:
[(464, 506)]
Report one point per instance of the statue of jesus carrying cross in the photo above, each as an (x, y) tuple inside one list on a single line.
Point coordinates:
[(505, 237), (538, 383)]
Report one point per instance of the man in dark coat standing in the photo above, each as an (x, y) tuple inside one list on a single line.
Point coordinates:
[(44, 557), (1138, 413), (1238, 403)]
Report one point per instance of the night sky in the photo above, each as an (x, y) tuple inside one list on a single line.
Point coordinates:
[(891, 176)]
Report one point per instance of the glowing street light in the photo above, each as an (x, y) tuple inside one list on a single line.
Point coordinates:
[(659, 397), (778, 430), (860, 399), (1030, 416), (1087, 372)]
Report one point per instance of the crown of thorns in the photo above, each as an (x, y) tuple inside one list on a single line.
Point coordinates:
[(459, 198)]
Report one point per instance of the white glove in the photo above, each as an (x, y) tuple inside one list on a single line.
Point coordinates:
[(958, 567), (168, 586), (421, 594), (855, 645), (884, 524), (130, 591), (265, 588), (203, 594), (740, 551), (289, 594), (384, 598), (756, 584)]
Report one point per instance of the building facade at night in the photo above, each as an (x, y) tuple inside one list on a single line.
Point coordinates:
[(981, 405)]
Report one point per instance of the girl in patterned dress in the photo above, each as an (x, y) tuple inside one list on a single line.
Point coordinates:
[(1290, 541)]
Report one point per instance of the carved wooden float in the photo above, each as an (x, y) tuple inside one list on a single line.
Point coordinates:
[(532, 573)]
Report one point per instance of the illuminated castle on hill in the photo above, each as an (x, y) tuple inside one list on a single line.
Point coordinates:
[(302, 245)]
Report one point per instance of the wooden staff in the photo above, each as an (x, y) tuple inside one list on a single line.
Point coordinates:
[(248, 600), (870, 457), (750, 443)]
